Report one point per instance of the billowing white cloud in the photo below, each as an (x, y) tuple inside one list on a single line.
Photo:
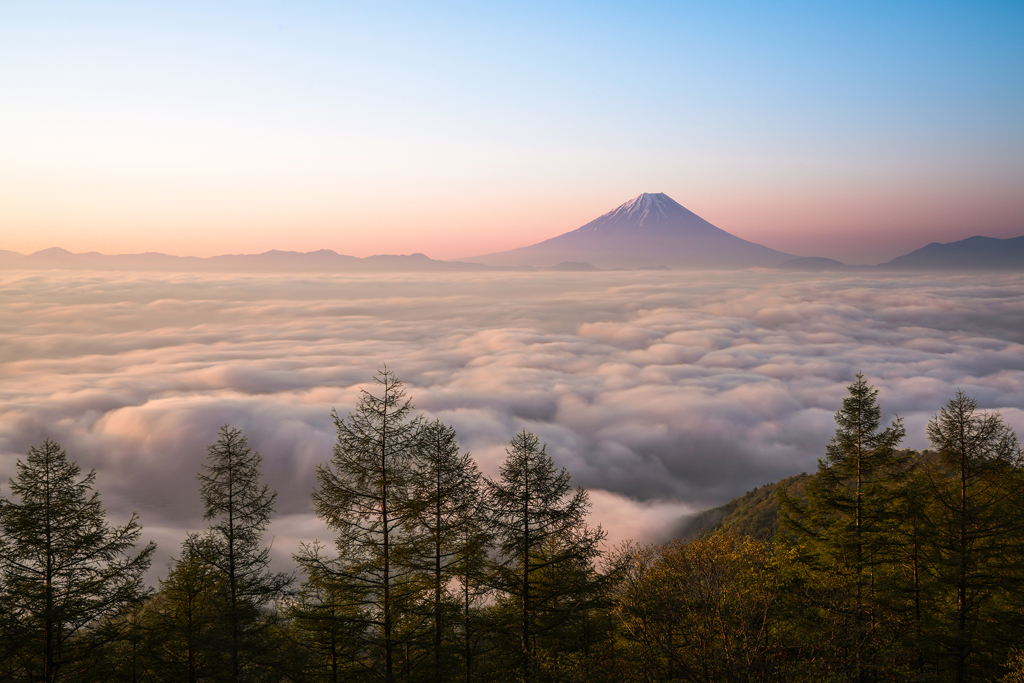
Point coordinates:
[(663, 392)]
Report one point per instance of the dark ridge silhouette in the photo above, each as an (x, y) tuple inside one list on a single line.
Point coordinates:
[(973, 253)]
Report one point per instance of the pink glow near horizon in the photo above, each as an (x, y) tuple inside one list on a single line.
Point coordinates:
[(400, 127), (860, 229)]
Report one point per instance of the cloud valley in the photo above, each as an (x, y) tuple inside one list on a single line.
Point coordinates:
[(662, 392)]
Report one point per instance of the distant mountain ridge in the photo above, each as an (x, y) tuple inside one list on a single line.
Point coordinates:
[(649, 230), (973, 253), (273, 261)]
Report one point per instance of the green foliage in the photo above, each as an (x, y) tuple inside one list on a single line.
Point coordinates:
[(710, 609), (363, 495), (328, 626), (755, 513), (240, 508), (973, 522), (853, 505), (187, 616), (130, 656), (447, 534), (547, 550), (885, 565), (1014, 667), (852, 502), (66, 572)]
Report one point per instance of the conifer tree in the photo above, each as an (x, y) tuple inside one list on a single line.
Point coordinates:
[(129, 657), (472, 570), (853, 502), (329, 625), (446, 521), (977, 528), (240, 507), (363, 495), (186, 612), (540, 528), (66, 570), (915, 597)]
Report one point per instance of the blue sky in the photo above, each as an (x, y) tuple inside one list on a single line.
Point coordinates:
[(851, 131)]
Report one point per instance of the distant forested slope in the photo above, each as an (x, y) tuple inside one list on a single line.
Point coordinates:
[(755, 513)]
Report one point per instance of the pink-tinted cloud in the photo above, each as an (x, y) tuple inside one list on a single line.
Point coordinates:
[(662, 392)]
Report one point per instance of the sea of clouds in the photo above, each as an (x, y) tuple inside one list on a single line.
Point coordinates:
[(662, 392)]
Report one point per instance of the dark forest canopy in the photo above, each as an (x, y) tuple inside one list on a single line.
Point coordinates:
[(884, 565)]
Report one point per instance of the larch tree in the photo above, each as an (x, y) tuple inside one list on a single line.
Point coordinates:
[(853, 502), (362, 494), (67, 572), (186, 612), (540, 528), (445, 525), (240, 507), (472, 570), (329, 625), (977, 530)]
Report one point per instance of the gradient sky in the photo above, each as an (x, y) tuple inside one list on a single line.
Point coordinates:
[(858, 131)]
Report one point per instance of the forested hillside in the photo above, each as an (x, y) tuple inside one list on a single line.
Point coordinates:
[(884, 565), (755, 513)]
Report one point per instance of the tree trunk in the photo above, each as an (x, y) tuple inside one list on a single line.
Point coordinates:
[(437, 578), (961, 574), (236, 673), (527, 650), (465, 631), (389, 674), (49, 637)]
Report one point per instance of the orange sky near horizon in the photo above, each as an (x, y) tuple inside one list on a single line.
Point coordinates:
[(863, 228), (460, 129)]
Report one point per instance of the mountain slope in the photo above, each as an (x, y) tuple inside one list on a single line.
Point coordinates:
[(755, 513), (973, 253), (649, 230)]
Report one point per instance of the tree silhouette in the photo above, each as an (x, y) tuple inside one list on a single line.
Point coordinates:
[(186, 613), (854, 504), (240, 507), (977, 527), (446, 522), (66, 571), (540, 529), (362, 494)]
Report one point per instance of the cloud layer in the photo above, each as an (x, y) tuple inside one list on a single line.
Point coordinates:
[(662, 392)]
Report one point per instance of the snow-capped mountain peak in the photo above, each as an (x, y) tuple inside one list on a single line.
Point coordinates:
[(649, 211), (647, 204), (651, 229)]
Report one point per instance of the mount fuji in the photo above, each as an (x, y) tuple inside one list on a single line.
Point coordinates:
[(647, 231)]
